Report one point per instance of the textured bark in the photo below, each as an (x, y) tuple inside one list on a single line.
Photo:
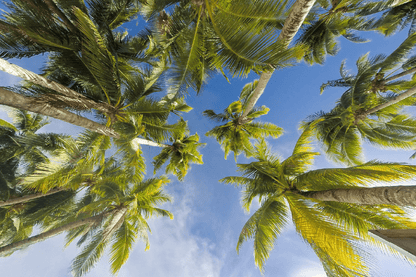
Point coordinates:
[(392, 195), (30, 197), (404, 73), (292, 24), (396, 99), (18, 101), (116, 221), (69, 96), (53, 232)]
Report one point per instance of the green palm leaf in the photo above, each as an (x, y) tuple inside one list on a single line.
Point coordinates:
[(97, 57), (264, 226)]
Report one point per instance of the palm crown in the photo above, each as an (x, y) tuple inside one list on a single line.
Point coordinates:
[(356, 116), (235, 135), (182, 152), (20, 141), (201, 37), (331, 228), (129, 205), (22, 149), (119, 202), (395, 16), (339, 19)]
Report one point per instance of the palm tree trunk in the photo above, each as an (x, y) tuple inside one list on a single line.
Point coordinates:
[(48, 234), (18, 101), (292, 24), (397, 76), (392, 195), (33, 196), (148, 142), (116, 221), (66, 95), (396, 99)]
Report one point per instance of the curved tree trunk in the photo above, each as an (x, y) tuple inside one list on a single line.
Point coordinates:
[(116, 221), (392, 195), (393, 101), (48, 234), (33, 196), (148, 142), (292, 24), (66, 95), (18, 101), (402, 74)]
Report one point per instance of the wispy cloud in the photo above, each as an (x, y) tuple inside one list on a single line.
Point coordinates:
[(174, 250)]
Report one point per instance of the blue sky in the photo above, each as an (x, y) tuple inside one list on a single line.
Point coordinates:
[(201, 239)]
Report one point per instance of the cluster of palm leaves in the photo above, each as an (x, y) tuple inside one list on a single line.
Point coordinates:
[(235, 134), (92, 68), (369, 109), (285, 187), (201, 37), (323, 204), (93, 187)]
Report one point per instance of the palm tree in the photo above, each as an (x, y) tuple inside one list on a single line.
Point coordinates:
[(124, 106), (332, 228), (17, 221), (367, 111), (182, 152), (339, 19), (48, 193), (396, 16), (22, 149), (15, 100), (64, 94), (293, 22), (99, 61), (201, 37), (235, 135), (135, 203), (33, 27), (113, 210)]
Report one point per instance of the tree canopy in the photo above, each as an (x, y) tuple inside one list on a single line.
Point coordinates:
[(132, 87)]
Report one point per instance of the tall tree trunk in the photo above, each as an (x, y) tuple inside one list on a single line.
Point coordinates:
[(65, 95), (33, 196), (402, 74), (292, 24), (392, 195), (148, 142), (53, 232), (394, 100), (116, 221), (18, 101)]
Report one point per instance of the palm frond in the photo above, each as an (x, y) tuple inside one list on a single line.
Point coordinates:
[(216, 117), (399, 55), (370, 173), (97, 58), (89, 256), (329, 238), (264, 226), (124, 238)]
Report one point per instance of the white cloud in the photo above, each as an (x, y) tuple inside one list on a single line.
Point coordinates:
[(174, 250), (312, 269)]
